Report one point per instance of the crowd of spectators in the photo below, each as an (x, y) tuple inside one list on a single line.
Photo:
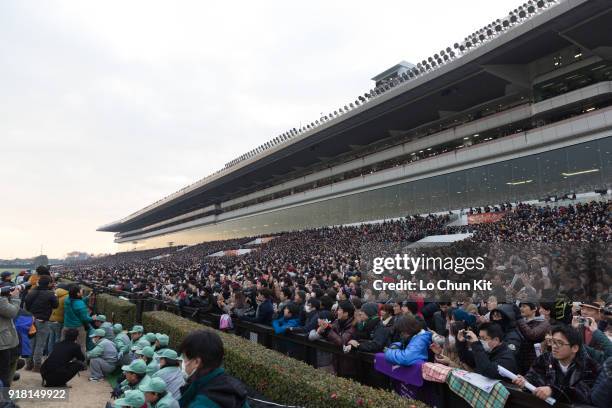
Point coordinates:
[(152, 374), (546, 317)]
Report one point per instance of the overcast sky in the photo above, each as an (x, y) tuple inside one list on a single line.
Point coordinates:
[(105, 107)]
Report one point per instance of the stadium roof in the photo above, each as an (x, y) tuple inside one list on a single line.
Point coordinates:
[(392, 70), (482, 74)]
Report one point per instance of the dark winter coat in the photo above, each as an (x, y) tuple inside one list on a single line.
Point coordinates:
[(41, 301), (486, 363), (573, 387)]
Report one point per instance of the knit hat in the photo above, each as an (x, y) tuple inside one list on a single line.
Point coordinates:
[(131, 398), (370, 309), (154, 385)]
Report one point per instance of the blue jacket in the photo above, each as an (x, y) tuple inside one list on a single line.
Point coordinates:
[(23, 323), (281, 324), (416, 350)]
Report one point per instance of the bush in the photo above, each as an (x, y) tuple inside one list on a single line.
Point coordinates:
[(116, 310), (276, 376)]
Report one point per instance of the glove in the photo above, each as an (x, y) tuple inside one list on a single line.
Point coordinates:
[(116, 393)]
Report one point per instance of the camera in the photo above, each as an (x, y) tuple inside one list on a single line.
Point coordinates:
[(7, 289)]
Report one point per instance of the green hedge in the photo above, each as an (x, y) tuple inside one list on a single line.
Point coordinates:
[(276, 376), (116, 310)]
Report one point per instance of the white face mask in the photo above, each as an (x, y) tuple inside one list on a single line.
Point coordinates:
[(485, 346), (451, 340), (186, 374), (307, 309)]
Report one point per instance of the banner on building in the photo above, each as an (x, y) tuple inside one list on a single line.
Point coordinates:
[(485, 218)]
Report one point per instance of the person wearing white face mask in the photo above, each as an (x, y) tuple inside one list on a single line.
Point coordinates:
[(311, 310), (488, 352), (207, 384)]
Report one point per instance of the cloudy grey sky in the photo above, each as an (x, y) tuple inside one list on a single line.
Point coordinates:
[(108, 106)]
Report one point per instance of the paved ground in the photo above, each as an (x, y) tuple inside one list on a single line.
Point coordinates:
[(83, 394)]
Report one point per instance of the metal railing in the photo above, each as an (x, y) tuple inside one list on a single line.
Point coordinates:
[(356, 365)]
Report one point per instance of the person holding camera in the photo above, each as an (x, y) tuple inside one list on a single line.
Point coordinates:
[(9, 340), (487, 352), (599, 348)]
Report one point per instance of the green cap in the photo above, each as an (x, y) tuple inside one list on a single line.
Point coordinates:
[(100, 318), (140, 344), (146, 351), (98, 333), (154, 385), (169, 354), (163, 339), (136, 366), (137, 329), (117, 328), (150, 337), (131, 398)]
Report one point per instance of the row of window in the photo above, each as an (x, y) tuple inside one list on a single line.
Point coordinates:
[(574, 169)]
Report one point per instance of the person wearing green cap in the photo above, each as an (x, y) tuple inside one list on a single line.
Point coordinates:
[(103, 357), (146, 354), (161, 342), (139, 345), (135, 375), (170, 372), (138, 340), (123, 344), (136, 332), (99, 322), (150, 338), (156, 394), (132, 398)]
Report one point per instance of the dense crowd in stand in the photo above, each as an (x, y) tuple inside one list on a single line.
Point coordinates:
[(311, 282)]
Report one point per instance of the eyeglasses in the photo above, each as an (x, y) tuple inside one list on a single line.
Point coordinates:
[(559, 343)]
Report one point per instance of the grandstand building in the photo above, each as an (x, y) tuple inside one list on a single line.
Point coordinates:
[(519, 110)]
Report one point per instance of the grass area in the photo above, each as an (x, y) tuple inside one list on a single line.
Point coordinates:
[(13, 270)]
